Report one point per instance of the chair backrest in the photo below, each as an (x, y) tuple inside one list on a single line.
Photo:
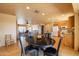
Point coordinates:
[(23, 44), (8, 37), (48, 39), (59, 44)]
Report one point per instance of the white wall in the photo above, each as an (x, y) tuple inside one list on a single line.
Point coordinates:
[(7, 26)]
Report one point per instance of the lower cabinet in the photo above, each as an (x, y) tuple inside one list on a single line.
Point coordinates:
[(68, 40)]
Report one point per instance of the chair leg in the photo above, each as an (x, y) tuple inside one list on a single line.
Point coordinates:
[(21, 52), (43, 53), (37, 53), (57, 54)]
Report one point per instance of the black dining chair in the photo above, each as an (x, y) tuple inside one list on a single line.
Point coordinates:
[(26, 48), (49, 42), (51, 51)]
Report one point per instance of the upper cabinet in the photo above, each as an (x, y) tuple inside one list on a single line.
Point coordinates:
[(71, 22)]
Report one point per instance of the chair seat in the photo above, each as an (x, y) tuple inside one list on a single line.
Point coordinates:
[(32, 52), (50, 51), (46, 46), (28, 48), (50, 54)]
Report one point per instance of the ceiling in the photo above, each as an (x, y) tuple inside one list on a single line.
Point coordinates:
[(51, 10)]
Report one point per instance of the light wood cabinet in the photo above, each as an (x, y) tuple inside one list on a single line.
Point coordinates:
[(71, 22), (69, 40)]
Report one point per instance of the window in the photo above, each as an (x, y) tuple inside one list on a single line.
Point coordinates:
[(35, 27), (21, 29)]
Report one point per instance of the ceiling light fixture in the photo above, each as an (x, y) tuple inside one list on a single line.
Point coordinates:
[(36, 11), (43, 14), (63, 15), (27, 7)]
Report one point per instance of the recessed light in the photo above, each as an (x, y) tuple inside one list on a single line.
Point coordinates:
[(27, 7), (63, 15), (43, 13)]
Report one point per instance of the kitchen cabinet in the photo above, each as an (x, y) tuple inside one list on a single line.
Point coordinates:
[(68, 40)]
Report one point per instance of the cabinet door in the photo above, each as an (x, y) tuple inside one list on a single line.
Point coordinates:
[(68, 40), (71, 22)]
